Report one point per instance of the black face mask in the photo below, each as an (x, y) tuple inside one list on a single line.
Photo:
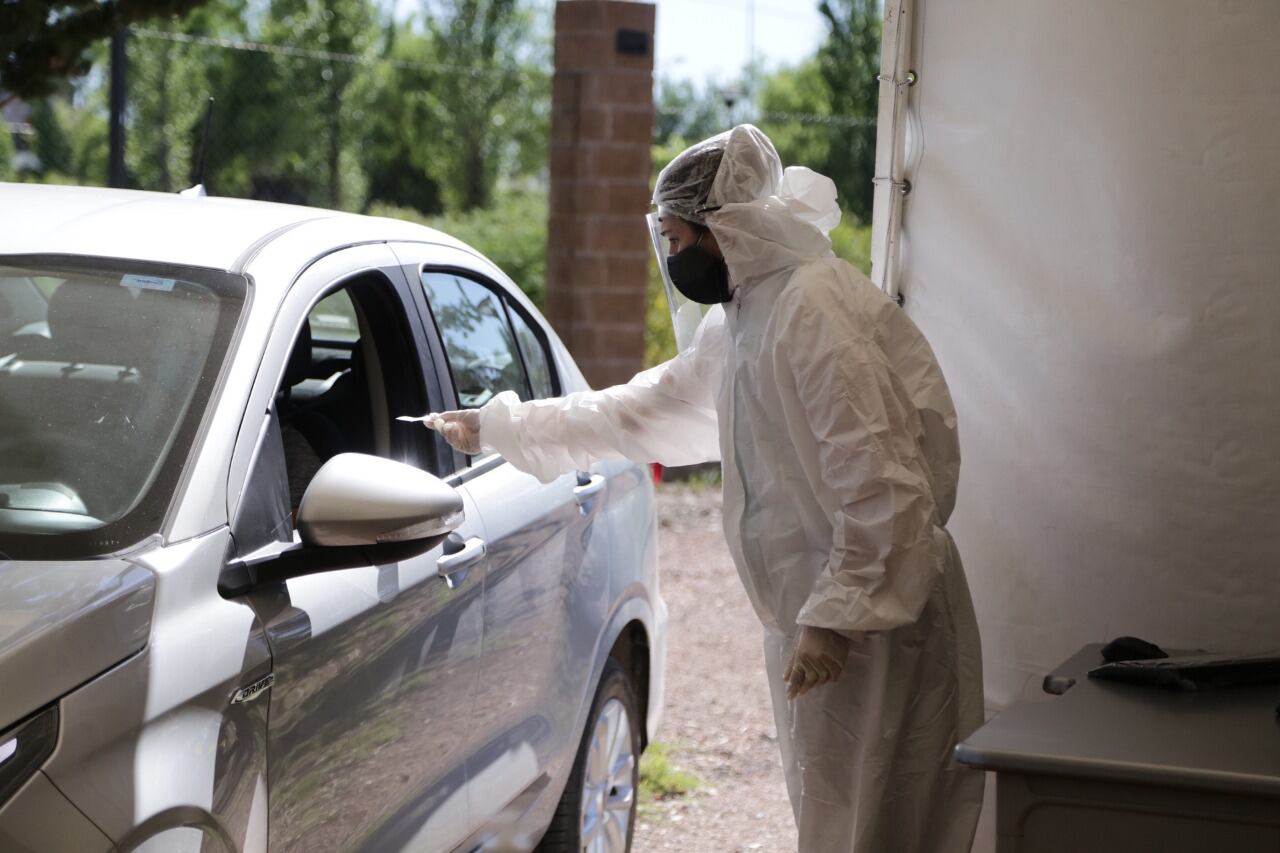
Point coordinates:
[(699, 275)]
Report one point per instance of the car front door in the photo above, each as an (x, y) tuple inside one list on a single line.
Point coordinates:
[(374, 666), (546, 583)]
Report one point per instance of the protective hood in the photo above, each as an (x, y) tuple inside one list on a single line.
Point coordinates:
[(765, 219)]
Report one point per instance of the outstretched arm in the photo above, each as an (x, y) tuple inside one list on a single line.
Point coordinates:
[(666, 414)]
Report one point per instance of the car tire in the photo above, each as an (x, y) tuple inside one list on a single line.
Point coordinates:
[(597, 812)]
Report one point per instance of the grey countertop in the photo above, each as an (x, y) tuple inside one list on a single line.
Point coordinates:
[(1220, 740)]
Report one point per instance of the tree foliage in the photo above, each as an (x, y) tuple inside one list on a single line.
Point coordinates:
[(475, 106), (324, 102), (6, 156), (825, 107), (801, 90), (50, 139), (169, 84), (323, 119), (442, 117), (512, 233), (819, 113), (685, 112), (849, 62), (43, 43), (396, 154)]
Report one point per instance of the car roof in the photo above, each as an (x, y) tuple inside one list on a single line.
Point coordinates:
[(212, 232)]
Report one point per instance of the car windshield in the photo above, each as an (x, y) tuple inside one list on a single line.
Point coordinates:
[(105, 372)]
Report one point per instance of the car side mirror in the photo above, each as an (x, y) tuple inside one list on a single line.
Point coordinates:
[(356, 499), (359, 510)]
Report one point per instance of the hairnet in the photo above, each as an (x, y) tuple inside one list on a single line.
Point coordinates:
[(741, 168), (763, 217), (684, 184), (736, 166)]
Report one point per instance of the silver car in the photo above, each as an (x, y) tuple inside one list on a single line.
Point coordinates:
[(245, 608)]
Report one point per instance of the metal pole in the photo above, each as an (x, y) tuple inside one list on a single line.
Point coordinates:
[(116, 176)]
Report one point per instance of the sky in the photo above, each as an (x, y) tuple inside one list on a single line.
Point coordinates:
[(709, 40)]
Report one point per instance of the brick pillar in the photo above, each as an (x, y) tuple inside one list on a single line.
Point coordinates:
[(601, 132)]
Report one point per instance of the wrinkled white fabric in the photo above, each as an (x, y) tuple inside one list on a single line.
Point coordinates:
[(840, 459), (880, 736)]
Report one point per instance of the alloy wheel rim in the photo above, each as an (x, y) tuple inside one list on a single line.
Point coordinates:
[(608, 784)]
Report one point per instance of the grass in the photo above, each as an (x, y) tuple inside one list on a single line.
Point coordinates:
[(700, 481), (660, 780)]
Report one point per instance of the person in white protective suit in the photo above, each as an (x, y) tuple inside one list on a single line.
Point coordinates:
[(838, 441)]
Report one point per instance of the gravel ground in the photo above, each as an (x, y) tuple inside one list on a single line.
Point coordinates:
[(718, 722)]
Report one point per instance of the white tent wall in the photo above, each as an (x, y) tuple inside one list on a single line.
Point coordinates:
[(1092, 245)]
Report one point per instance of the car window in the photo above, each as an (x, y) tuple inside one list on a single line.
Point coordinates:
[(334, 319), (335, 400), (479, 344), (536, 360), (104, 375)]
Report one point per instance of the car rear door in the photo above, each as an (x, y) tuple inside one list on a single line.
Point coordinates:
[(375, 667), (547, 576)]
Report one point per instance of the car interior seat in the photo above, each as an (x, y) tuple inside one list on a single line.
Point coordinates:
[(88, 324), (315, 425), (346, 405)]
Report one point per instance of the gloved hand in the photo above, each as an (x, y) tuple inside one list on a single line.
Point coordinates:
[(818, 658), (460, 429)]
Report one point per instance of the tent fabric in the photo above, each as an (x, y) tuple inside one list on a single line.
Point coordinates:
[(1090, 246)]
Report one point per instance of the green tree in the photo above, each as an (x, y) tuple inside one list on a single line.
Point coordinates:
[(821, 113), (85, 120), (6, 152), (512, 233), (397, 151), (251, 129), (50, 142), (849, 61), (799, 91), (69, 134), (170, 80), (314, 130), (41, 43), (487, 106), (685, 112)]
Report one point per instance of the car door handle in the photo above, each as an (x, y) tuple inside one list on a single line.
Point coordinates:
[(588, 486), (458, 558)]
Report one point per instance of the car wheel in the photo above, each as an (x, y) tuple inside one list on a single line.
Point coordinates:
[(597, 812)]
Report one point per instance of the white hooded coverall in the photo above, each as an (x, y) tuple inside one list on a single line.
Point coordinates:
[(840, 456)]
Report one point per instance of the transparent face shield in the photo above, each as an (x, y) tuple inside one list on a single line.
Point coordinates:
[(686, 314)]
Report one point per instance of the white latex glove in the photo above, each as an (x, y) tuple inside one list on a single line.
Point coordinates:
[(818, 659), (460, 429)]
